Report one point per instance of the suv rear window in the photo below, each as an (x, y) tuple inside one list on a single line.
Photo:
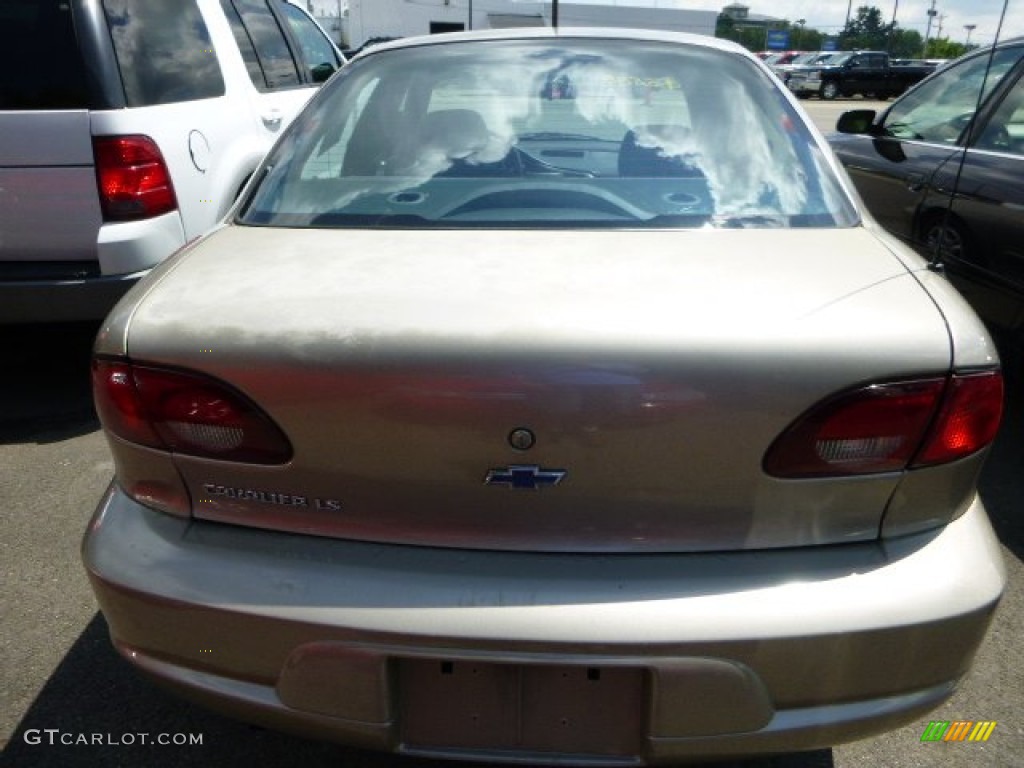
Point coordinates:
[(164, 51), (40, 63)]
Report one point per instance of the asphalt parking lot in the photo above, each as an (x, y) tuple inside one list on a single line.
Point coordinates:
[(61, 680)]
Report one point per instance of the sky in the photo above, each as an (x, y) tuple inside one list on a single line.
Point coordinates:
[(829, 16)]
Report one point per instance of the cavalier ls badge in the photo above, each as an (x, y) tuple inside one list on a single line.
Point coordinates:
[(528, 476)]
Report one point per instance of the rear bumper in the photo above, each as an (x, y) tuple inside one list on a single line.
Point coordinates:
[(125, 252), (58, 301), (713, 655)]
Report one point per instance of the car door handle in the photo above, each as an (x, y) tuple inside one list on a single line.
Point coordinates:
[(272, 119), (916, 183)]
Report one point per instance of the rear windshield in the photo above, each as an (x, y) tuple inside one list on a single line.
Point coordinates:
[(549, 133), (40, 64)]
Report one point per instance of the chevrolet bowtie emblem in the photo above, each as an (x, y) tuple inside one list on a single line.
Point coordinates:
[(528, 476)]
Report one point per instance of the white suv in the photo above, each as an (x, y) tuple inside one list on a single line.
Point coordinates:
[(133, 134)]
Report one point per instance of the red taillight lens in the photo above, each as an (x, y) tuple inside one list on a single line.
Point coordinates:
[(133, 179), (185, 413), (968, 421), (888, 427), (118, 403)]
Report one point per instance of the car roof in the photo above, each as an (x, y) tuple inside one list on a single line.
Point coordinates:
[(1003, 43), (592, 33)]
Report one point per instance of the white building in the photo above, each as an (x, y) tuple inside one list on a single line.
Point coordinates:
[(363, 20)]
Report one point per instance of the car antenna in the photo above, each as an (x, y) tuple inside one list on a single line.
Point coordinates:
[(935, 259)]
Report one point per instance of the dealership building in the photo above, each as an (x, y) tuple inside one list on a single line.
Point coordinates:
[(353, 22)]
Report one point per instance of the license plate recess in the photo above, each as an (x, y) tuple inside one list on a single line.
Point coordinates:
[(569, 709)]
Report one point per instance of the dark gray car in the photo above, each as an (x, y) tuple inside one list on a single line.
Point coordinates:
[(962, 129)]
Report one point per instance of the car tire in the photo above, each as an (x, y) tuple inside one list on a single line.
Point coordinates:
[(829, 91), (946, 236)]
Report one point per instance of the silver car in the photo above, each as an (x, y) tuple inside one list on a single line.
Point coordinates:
[(598, 428)]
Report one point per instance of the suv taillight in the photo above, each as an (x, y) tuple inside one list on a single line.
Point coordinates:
[(184, 412), (891, 427), (133, 179)]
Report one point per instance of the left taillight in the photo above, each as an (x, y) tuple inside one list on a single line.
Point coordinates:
[(184, 412), (134, 181)]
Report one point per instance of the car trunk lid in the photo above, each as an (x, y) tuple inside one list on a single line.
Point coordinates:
[(546, 391)]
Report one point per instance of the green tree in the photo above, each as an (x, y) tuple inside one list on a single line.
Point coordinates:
[(725, 27), (944, 48), (905, 43), (866, 30), (750, 37), (803, 38), (754, 38)]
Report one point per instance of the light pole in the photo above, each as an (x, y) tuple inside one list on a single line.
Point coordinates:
[(799, 28), (846, 26), (970, 28), (932, 13), (892, 26)]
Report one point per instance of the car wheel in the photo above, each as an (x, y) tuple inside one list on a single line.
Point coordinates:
[(945, 237), (829, 91)]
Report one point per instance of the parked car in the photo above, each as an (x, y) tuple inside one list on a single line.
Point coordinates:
[(132, 133), (778, 58), (930, 63), (804, 60), (868, 73), (351, 53), (962, 129), (602, 429)]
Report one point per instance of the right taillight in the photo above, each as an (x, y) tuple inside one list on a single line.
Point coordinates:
[(967, 421), (184, 412), (891, 426), (133, 179)]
